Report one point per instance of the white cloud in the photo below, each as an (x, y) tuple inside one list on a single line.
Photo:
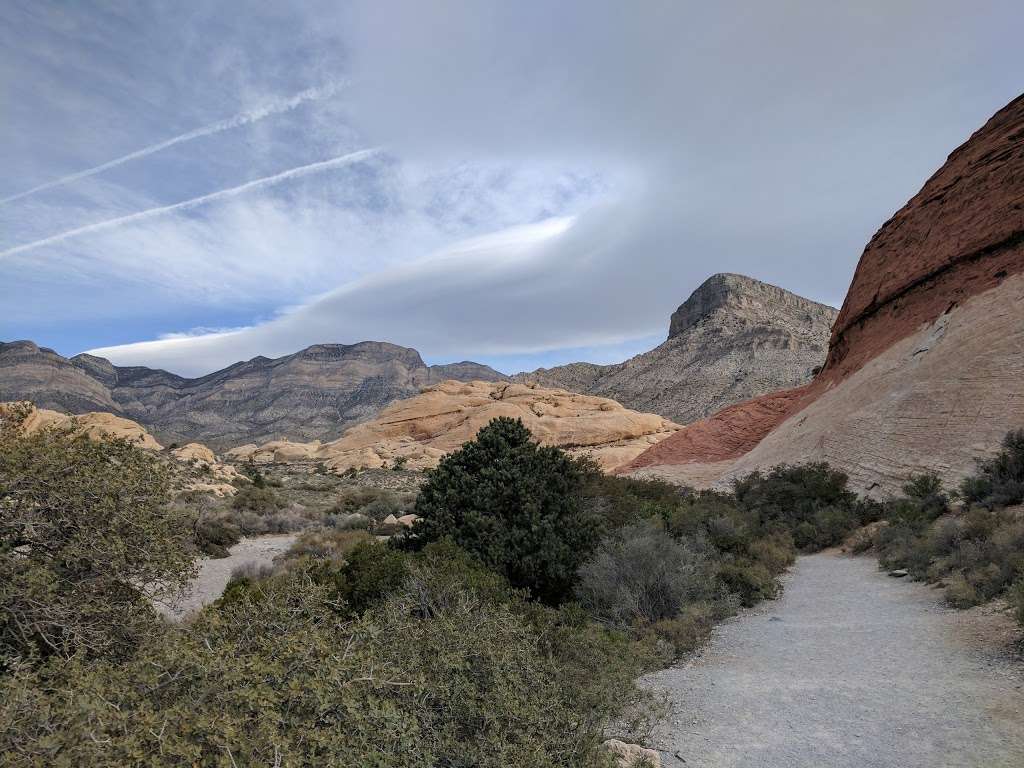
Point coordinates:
[(682, 138), (186, 205), (248, 117), (480, 294)]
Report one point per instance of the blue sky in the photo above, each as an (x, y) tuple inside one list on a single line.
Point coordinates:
[(190, 184)]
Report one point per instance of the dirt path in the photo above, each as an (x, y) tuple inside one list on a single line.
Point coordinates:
[(849, 669), (213, 574)]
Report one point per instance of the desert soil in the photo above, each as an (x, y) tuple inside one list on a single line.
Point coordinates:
[(850, 668), (213, 574)]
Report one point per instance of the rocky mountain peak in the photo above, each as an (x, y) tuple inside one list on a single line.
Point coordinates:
[(743, 299), (734, 338)]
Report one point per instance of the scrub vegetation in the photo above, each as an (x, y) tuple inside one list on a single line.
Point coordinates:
[(506, 627)]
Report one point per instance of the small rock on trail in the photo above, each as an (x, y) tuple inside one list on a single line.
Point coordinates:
[(863, 671)]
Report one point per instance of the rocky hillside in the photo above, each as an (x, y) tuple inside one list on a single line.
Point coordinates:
[(311, 394), (422, 429), (733, 339), (925, 367)]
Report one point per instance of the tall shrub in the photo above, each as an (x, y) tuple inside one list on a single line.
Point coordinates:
[(514, 504)]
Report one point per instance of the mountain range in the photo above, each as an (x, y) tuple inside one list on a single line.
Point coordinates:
[(733, 338), (312, 394)]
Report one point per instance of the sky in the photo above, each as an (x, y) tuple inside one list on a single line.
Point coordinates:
[(189, 184)]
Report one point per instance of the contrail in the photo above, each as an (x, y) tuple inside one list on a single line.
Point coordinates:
[(266, 181), (243, 118)]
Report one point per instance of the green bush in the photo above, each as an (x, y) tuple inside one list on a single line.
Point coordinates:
[(259, 499), (810, 501), (691, 627), (371, 572), (641, 574), (251, 471), (215, 534), (475, 684), (513, 504), (977, 552), (999, 481), (85, 526), (749, 580), (327, 543)]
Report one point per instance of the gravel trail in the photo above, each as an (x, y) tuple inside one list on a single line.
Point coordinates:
[(213, 573), (849, 669)]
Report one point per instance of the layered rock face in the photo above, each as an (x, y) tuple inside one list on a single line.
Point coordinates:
[(925, 369), (310, 394), (733, 339), (422, 429)]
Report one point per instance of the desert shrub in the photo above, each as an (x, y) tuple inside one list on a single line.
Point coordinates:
[(1015, 597), (641, 574), (258, 499), (515, 505), (389, 503), (441, 571), (348, 522), (999, 481), (251, 471), (691, 627), (481, 684), (619, 501), (749, 580), (352, 498), (774, 551), (927, 490), (86, 531), (321, 543), (978, 552), (214, 534), (370, 573), (811, 501)]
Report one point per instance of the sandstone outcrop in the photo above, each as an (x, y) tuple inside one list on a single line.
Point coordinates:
[(420, 430), (215, 476), (94, 425), (309, 395), (925, 369), (733, 339), (205, 472)]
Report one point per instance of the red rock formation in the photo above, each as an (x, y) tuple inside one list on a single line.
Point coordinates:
[(960, 236)]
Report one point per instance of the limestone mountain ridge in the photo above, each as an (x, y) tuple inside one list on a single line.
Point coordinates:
[(734, 338), (312, 394)]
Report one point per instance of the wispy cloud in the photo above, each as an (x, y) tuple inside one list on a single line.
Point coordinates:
[(237, 121), (266, 181)]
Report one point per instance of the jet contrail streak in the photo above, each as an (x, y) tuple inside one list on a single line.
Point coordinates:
[(266, 181), (243, 118)]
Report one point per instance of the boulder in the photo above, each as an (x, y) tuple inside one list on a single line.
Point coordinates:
[(632, 755), (195, 452)]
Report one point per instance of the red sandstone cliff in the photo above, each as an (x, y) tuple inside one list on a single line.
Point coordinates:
[(949, 263)]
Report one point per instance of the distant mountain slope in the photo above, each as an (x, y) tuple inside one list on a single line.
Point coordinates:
[(733, 339), (312, 394)]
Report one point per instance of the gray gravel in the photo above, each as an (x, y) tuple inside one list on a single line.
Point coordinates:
[(849, 668), (214, 573)]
